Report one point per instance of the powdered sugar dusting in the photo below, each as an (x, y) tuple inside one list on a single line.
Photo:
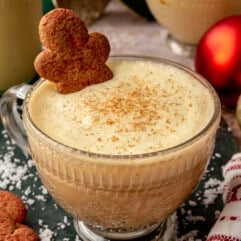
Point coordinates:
[(46, 234), (189, 236), (213, 188)]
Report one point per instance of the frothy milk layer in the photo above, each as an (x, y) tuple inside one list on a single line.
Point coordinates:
[(146, 107)]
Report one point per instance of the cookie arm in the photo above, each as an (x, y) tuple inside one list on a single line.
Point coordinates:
[(48, 65)]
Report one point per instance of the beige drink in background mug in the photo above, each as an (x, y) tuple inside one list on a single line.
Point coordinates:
[(19, 41), (188, 20)]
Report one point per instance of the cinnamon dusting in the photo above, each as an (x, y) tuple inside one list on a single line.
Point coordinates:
[(141, 103)]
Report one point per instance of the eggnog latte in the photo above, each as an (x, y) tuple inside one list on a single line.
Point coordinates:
[(146, 107), (127, 152)]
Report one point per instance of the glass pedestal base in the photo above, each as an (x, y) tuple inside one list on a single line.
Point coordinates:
[(155, 232), (180, 48)]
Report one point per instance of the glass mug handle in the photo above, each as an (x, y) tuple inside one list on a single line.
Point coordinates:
[(11, 117)]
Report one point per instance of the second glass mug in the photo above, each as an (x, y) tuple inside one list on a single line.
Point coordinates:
[(119, 197), (187, 20)]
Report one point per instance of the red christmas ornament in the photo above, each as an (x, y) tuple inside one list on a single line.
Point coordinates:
[(218, 58)]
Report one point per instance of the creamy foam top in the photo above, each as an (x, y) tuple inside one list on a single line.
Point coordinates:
[(146, 107)]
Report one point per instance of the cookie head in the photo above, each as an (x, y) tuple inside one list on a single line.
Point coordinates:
[(62, 30)]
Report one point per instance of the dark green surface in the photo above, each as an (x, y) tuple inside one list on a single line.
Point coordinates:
[(44, 213)]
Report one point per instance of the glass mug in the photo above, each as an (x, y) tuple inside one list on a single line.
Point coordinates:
[(113, 197), (19, 42), (188, 20)]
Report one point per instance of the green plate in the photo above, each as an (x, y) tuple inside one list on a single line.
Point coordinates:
[(194, 219)]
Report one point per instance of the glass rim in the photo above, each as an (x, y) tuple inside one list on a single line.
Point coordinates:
[(215, 116)]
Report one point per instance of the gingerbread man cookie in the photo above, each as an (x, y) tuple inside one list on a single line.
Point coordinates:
[(73, 59), (12, 213), (22, 233), (13, 205), (7, 225)]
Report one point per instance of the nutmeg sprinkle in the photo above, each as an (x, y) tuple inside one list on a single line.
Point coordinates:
[(145, 107)]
